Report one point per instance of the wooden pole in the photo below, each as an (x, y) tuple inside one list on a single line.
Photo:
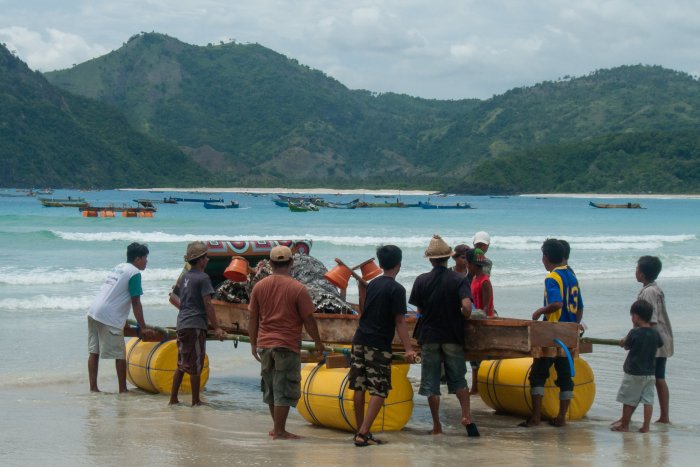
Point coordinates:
[(594, 340)]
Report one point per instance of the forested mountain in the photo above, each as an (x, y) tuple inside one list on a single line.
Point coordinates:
[(49, 137), (257, 118), (262, 118)]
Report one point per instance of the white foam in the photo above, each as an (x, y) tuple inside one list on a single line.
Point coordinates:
[(65, 303), (49, 276), (516, 242)]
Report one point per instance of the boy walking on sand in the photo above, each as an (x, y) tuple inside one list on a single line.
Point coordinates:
[(638, 383), (648, 269), (382, 314), (195, 307)]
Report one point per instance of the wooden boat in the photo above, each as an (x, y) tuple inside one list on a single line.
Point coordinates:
[(109, 211), (197, 200), (615, 206), (349, 205), (429, 205), (385, 204), (230, 205), (69, 202), (302, 206), (484, 338), (221, 252)]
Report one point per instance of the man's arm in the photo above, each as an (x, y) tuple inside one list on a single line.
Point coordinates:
[(486, 294), (545, 310), (466, 307), (211, 314), (137, 308), (253, 330), (312, 329), (402, 331)]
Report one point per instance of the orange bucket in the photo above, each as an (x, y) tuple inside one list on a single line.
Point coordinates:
[(339, 276), (369, 270), (237, 270)]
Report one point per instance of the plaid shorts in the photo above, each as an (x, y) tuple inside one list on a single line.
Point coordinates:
[(370, 370), (191, 350)]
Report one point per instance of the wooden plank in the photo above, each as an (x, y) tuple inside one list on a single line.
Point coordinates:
[(497, 335), (543, 333)]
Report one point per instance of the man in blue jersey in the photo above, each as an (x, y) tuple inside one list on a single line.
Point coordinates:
[(562, 299)]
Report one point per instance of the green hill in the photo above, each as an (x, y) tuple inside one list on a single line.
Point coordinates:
[(49, 137), (256, 117)]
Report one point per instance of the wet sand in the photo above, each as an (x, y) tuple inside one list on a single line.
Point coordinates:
[(67, 425)]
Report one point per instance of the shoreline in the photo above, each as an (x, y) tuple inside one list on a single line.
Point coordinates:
[(366, 191), (313, 191)]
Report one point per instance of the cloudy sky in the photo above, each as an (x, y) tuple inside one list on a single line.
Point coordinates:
[(445, 49)]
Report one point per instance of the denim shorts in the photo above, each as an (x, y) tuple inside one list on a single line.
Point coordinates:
[(281, 376), (433, 357)]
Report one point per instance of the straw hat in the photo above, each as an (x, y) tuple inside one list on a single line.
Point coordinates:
[(437, 248), (196, 250)]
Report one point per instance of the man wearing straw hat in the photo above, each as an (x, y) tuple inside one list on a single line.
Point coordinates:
[(279, 306), (443, 299), (195, 308)]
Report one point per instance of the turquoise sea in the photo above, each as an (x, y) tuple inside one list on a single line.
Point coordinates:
[(54, 261)]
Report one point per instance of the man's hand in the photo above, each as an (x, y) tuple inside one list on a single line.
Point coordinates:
[(219, 333), (147, 333), (254, 351), (537, 314), (320, 348), (411, 356)]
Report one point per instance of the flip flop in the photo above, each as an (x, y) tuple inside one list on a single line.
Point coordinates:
[(472, 431), (555, 424), (365, 440), (371, 438)]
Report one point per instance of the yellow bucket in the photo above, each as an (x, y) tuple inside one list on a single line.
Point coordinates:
[(151, 366), (327, 401), (504, 386)]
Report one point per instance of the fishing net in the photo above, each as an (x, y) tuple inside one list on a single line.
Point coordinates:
[(307, 270)]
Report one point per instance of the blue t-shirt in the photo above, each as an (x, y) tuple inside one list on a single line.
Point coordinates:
[(561, 285)]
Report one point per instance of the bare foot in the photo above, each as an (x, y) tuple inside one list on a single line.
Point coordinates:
[(529, 423), (196, 403), (437, 430), (620, 427), (174, 402), (663, 420), (616, 422), (123, 391), (271, 433), (285, 435), (557, 422), (97, 390), (644, 430)]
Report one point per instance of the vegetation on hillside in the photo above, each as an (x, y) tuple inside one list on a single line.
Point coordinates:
[(49, 137)]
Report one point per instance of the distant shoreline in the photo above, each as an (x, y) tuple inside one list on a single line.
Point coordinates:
[(364, 191), (313, 191), (612, 196)]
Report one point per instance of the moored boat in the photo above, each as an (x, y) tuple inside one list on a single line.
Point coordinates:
[(230, 205), (69, 202), (429, 205), (615, 206), (303, 206)]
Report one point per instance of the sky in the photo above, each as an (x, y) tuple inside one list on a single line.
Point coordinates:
[(438, 49)]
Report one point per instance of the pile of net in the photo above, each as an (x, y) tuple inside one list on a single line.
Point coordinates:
[(307, 270)]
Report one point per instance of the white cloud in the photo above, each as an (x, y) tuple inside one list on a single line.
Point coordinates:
[(49, 51)]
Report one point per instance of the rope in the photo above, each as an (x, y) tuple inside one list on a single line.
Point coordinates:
[(568, 356)]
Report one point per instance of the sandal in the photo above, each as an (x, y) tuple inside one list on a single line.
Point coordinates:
[(365, 440)]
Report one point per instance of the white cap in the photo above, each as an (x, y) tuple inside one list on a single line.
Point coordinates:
[(482, 237)]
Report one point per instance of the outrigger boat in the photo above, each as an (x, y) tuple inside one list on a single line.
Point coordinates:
[(615, 206), (429, 205), (493, 338), (302, 206), (230, 205), (64, 202)]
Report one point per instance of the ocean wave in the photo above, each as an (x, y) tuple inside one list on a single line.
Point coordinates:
[(50, 276), (66, 303), (515, 242)]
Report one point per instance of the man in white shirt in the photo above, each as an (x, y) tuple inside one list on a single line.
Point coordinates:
[(108, 313)]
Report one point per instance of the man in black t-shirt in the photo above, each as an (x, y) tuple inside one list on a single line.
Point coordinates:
[(443, 299), (382, 313)]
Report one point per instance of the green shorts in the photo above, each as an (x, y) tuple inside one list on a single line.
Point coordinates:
[(280, 370), (105, 341)]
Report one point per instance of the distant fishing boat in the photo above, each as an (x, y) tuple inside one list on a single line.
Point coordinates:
[(197, 200), (302, 206), (349, 205), (429, 205), (615, 206), (109, 211), (230, 205), (69, 202)]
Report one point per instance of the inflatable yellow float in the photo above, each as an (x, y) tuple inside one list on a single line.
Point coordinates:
[(505, 387), (151, 366), (327, 401)]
